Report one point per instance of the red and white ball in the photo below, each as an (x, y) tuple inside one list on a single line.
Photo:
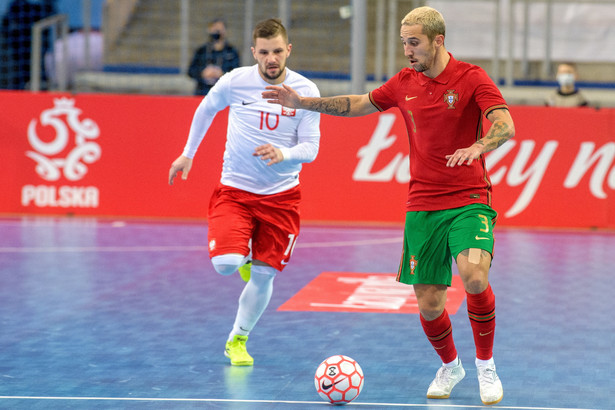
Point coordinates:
[(339, 379)]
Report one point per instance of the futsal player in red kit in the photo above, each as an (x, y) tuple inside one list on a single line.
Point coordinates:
[(443, 102), (254, 211)]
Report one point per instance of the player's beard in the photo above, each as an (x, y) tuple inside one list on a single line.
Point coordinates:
[(419, 67), (266, 74), (427, 61)]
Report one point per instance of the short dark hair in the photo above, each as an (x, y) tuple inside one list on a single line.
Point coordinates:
[(268, 29), (217, 20)]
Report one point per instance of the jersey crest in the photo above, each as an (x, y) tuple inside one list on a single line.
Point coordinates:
[(288, 112), (451, 97), (413, 262)]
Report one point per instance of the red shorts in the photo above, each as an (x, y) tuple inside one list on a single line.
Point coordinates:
[(271, 221)]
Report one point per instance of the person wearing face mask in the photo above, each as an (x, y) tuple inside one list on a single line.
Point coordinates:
[(567, 94), (213, 58)]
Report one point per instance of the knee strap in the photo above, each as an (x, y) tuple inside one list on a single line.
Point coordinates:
[(228, 263)]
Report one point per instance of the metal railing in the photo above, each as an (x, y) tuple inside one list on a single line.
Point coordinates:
[(547, 60), (507, 31), (58, 25)]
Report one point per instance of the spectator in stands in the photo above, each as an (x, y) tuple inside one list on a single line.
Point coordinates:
[(567, 94), (213, 59)]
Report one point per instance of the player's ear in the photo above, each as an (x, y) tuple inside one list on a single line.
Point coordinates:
[(289, 47)]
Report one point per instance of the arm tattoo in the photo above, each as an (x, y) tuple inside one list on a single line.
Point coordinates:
[(498, 134), (339, 106)]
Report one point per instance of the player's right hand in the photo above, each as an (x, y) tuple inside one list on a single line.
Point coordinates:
[(182, 164)]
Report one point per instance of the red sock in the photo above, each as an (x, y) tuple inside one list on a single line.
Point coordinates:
[(440, 333), (481, 310)]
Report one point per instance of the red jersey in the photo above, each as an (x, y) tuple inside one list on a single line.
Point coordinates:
[(442, 115)]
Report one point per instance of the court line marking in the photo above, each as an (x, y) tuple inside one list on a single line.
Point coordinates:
[(163, 248), (167, 399)]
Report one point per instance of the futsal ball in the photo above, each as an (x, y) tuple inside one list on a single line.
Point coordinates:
[(339, 379)]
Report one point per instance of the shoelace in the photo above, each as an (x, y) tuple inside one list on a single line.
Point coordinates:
[(239, 346), (443, 375), (487, 375)]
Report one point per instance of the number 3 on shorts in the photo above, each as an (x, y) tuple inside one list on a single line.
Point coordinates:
[(485, 222)]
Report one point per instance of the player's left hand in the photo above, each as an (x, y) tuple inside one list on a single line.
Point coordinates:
[(464, 155), (183, 164), (269, 153)]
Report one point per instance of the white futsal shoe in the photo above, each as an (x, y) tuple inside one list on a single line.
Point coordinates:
[(491, 391), (446, 379)]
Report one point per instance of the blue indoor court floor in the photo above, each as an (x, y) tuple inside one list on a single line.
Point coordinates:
[(106, 314)]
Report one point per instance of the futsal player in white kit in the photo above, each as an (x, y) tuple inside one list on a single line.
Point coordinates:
[(254, 211)]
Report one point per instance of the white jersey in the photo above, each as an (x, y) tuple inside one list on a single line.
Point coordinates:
[(252, 121)]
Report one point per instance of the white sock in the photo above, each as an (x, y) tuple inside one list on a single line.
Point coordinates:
[(453, 363), (489, 362), (253, 300)]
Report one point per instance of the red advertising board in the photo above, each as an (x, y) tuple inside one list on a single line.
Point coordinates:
[(109, 155)]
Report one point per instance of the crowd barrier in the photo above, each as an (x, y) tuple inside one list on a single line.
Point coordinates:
[(109, 155)]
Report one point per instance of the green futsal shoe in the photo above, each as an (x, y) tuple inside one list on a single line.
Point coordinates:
[(236, 351), (245, 271)]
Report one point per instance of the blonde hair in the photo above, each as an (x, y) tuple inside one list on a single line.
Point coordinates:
[(431, 20)]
